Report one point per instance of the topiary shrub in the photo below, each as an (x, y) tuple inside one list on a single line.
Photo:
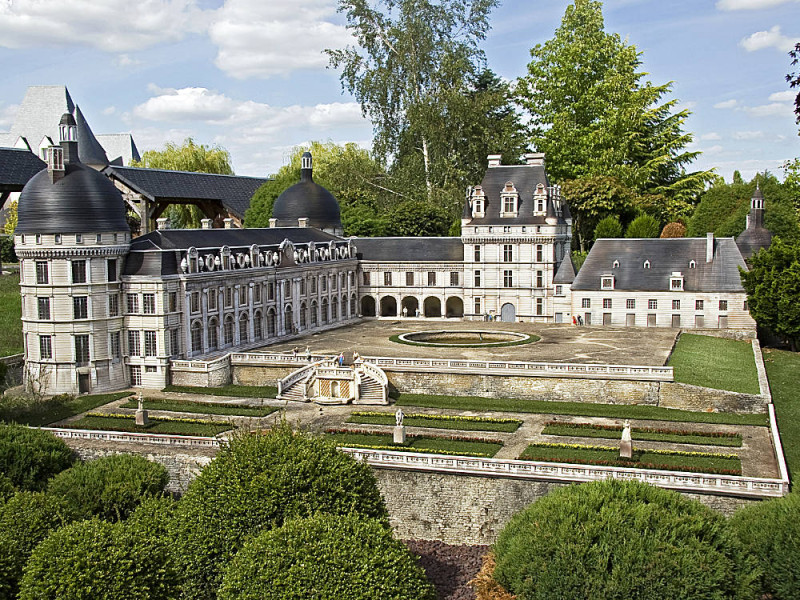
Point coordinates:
[(324, 556), (25, 520), (617, 539), (610, 227), (674, 230), (29, 457), (770, 534), (643, 226), (110, 487), (255, 484)]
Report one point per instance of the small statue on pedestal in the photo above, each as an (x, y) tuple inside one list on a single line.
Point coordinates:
[(626, 444), (142, 418), (399, 433)]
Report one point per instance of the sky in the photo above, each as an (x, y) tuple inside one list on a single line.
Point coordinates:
[(251, 76)]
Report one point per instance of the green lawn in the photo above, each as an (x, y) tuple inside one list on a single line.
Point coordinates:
[(715, 363), (438, 422), (45, 412), (638, 433), (205, 408), (581, 409), (783, 371), (239, 391), (10, 315), (417, 444), (171, 426)]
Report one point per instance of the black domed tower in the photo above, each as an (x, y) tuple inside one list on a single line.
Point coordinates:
[(755, 236), (308, 200), (71, 237)]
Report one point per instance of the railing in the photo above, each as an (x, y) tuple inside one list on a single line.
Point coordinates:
[(776, 443), (292, 378), (135, 437), (687, 482), (200, 366), (377, 374)]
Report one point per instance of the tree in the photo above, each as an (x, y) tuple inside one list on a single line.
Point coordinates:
[(794, 78), (29, 457), (643, 226), (773, 289), (197, 158), (594, 198), (610, 227), (418, 219), (11, 218), (346, 558), (673, 230), (592, 112)]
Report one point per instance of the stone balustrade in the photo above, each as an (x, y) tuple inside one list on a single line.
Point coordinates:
[(134, 437)]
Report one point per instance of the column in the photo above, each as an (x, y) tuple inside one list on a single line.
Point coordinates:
[(279, 308), (187, 324), (204, 309), (251, 332), (236, 339), (348, 288)]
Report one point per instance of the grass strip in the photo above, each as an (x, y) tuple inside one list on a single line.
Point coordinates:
[(204, 408), (782, 369), (10, 315), (238, 391), (38, 413), (166, 426), (529, 340), (732, 368), (434, 445), (642, 434), (696, 462), (578, 409), (438, 421)]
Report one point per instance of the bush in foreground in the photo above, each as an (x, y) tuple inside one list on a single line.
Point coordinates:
[(770, 533), (254, 485), (29, 457), (325, 556), (616, 539), (110, 487), (7, 488)]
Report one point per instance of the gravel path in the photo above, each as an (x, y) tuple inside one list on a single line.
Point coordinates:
[(448, 567)]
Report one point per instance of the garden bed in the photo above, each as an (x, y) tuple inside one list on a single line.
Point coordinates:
[(205, 408), (238, 391), (453, 445), (37, 413), (650, 434), (437, 421), (112, 422)]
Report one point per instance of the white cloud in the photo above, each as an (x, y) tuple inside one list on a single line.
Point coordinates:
[(124, 60), (787, 96), (712, 136), (748, 135), (713, 149), (109, 110), (768, 39), (7, 114), (775, 109), (726, 104), (750, 4)]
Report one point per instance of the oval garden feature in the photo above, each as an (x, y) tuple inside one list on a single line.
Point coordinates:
[(465, 339)]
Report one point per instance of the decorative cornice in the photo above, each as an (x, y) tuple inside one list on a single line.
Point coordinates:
[(506, 239), (72, 252)]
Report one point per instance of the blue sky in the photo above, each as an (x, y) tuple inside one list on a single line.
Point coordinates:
[(249, 74)]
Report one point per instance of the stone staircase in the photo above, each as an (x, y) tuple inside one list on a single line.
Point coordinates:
[(326, 383), (372, 391)]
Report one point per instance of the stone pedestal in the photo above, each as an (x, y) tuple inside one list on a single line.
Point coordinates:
[(625, 449), (399, 434), (141, 417)]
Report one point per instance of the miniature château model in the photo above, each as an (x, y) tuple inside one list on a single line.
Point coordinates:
[(102, 312)]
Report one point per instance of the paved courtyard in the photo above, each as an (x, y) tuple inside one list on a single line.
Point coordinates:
[(559, 343)]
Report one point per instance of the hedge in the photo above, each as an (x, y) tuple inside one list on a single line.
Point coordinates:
[(7, 488), (29, 457)]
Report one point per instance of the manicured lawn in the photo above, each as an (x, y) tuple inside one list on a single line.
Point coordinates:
[(10, 315), (171, 426), (205, 408), (580, 409), (417, 444), (644, 459), (716, 363), (783, 371), (239, 391), (639, 433), (438, 421), (46, 412)]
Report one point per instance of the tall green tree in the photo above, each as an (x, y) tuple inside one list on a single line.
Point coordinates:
[(591, 199)]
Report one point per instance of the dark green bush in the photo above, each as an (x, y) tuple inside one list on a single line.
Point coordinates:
[(255, 484), (29, 457), (25, 520), (7, 253), (770, 533), (110, 487), (616, 539), (7, 488), (325, 556)]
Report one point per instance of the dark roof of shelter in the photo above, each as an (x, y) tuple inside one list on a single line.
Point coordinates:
[(566, 272), (233, 191), (410, 249), (666, 256), (17, 166), (525, 179)]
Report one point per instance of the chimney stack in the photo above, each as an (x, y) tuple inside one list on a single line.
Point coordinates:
[(494, 160), (710, 246), (161, 223), (302, 222), (534, 159), (205, 223), (273, 223), (228, 223)]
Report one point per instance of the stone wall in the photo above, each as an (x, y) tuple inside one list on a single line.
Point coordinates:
[(250, 375), (216, 377)]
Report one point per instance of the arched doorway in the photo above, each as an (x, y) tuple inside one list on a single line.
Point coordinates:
[(367, 306), (410, 306), (433, 307), (454, 307), (508, 313), (388, 306)]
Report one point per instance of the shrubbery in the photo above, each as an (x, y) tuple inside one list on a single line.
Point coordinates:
[(325, 556), (110, 487), (29, 457), (7, 488), (254, 485), (617, 539), (770, 533)]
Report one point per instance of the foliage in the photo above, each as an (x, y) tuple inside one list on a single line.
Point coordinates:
[(7, 253), (110, 487), (29, 457), (782, 369), (593, 198), (7, 488), (116, 422), (255, 484), (578, 258), (794, 78), (617, 539), (673, 230), (773, 289), (418, 219), (347, 558), (205, 408), (610, 227), (25, 520), (769, 532), (38, 411), (590, 430), (437, 421), (10, 315), (451, 445), (239, 391), (643, 226), (11, 219)]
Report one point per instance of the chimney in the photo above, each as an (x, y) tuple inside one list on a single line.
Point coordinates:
[(55, 163), (534, 159), (273, 223), (710, 246), (205, 223), (228, 223), (302, 222), (161, 223), (494, 160)]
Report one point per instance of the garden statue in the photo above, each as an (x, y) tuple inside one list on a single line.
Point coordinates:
[(626, 445)]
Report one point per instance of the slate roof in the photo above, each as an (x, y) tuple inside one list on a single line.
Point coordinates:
[(17, 166), (89, 149), (120, 148), (525, 179), (566, 272), (234, 192), (410, 249), (307, 199), (39, 114), (666, 256)]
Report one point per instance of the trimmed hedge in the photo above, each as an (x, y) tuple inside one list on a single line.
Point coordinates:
[(770, 533), (29, 457), (615, 539), (7, 488), (110, 487), (341, 557), (255, 484)]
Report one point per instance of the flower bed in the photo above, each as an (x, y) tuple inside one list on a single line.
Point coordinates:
[(205, 408), (652, 434), (437, 421), (450, 445), (117, 422)]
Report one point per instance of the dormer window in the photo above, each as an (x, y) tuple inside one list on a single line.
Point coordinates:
[(676, 282), (692, 264), (646, 264), (478, 202), (540, 200), (607, 282), (509, 199), (615, 265)]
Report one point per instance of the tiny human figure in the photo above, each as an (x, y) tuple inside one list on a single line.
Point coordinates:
[(417, 313), (341, 359), (574, 321), (295, 350), (580, 321), (405, 311), (308, 354), (356, 356)]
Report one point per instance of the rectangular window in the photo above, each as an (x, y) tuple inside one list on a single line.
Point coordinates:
[(45, 347), (652, 304), (745, 307), (174, 344), (113, 305), (630, 303), (539, 253), (78, 271), (477, 306), (409, 278), (42, 275), (540, 306), (723, 305), (257, 292), (44, 309), (80, 307), (195, 299), (116, 350), (323, 282), (150, 343), (149, 304), (133, 303), (508, 253), (607, 283), (242, 295), (303, 286), (172, 300), (228, 298), (477, 254), (212, 298), (431, 277), (539, 279), (111, 269), (586, 303), (81, 350), (509, 204), (78, 238), (387, 278), (134, 348), (477, 279), (150, 369), (453, 278), (559, 290), (58, 238), (606, 302), (271, 290), (365, 276), (698, 305), (676, 284), (136, 375), (508, 278), (676, 305)]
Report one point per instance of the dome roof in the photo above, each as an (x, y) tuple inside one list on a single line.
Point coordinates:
[(307, 200), (83, 200)]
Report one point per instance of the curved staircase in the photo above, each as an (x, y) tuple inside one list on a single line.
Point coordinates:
[(325, 382)]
